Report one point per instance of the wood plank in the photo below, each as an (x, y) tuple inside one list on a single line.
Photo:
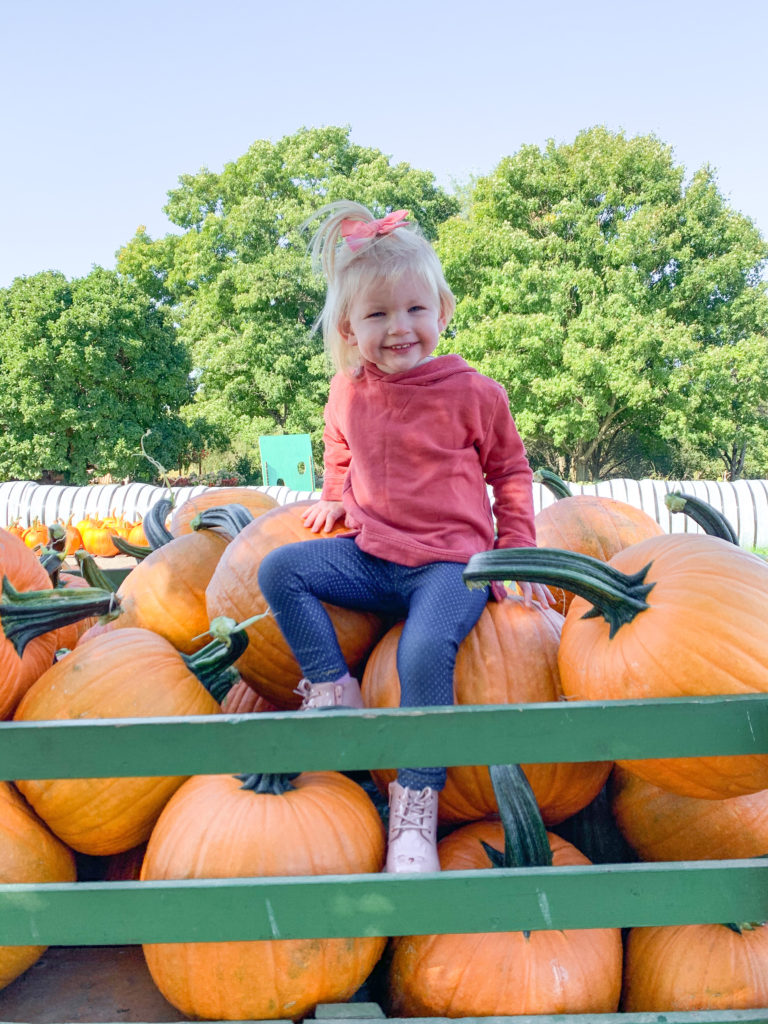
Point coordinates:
[(121, 913), (385, 738)]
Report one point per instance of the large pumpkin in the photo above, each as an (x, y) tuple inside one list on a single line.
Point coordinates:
[(661, 825), (30, 612), (589, 523), (490, 974), (696, 967), (28, 853), (316, 824), (672, 616), (165, 592), (127, 673), (257, 502), (509, 657), (268, 664)]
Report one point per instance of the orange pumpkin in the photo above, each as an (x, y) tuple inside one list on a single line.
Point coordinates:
[(268, 664), (36, 535), (27, 643), (28, 853), (243, 700), (490, 974), (671, 616), (319, 823), (165, 592), (126, 673), (257, 502), (588, 523), (509, 657), (696, 967), (661, 825)]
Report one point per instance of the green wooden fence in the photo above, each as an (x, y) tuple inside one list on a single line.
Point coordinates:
[(623, 895)]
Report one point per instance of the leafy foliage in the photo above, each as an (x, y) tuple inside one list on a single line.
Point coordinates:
[(86, 366), (622, 310), (238, 277)]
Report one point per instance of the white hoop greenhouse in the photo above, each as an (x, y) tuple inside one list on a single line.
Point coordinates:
[(743, 502)]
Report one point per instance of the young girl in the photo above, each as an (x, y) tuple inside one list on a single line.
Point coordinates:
[(411, 440)]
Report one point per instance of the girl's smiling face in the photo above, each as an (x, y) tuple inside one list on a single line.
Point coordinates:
[(395, 324)]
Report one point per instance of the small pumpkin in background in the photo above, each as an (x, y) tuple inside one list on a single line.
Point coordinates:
[(220, 826), (29, 853), (36, 535), (509, 657)]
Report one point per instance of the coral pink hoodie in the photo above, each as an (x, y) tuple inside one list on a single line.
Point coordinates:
[(410, 455)]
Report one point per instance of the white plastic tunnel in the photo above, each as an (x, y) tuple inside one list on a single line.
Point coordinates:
[(743, 502)]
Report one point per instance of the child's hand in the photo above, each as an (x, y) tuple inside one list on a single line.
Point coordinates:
[(323, 515), (531, 592)]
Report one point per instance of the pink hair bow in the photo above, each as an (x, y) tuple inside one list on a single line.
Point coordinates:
[(357, 232)]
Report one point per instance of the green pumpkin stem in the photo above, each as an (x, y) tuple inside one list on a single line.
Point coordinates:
[(553, 483), (212, 663), (227, 519), (27, 614), (705, 515), (51, 560), (138, 551), (92, 574), (155, 530), (265, 782), (57, 537), (745, 926), (617, 596), (526, 844)]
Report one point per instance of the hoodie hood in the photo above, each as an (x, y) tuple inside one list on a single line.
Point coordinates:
[(435, 369)]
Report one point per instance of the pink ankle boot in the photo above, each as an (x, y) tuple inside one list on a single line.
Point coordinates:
[(412, 829), (339, 693)]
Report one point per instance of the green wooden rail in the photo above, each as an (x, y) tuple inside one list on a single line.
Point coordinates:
[(120, 913)]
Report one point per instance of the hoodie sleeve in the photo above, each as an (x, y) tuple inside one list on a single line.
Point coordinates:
[(336, 456), (508, 472)]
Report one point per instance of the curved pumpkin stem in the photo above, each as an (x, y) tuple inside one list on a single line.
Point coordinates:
[(707, 516), (228, 519), (138, 551), (155, 529), (617, 596), (212, 663), (264, 782), (92, 574), (526, 844), (51, 559), (553, 483), (26, 614)]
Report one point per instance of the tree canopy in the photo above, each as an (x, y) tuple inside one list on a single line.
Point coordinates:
[(238, 276), (622, 309), (86, 367)]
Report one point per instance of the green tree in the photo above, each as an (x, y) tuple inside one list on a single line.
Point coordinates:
[(622, 309), (238, 277), (86, 367)]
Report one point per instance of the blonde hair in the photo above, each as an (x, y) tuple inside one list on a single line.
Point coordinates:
[(346, 271)]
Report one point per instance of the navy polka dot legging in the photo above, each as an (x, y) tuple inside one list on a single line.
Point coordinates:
[(438, 608)]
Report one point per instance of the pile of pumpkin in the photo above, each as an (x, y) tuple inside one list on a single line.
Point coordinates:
[(640, 614), (101, 536)]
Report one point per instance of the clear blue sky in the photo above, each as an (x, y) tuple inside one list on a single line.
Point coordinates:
[(106, 104)]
